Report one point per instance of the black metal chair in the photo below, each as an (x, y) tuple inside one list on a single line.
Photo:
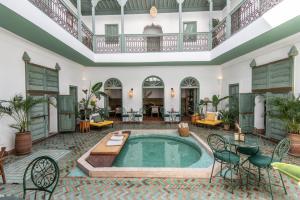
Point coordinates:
[(44, 175)]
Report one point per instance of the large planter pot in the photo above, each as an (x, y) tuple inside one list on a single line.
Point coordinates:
[(23, 143), (295, 144), (194, 118), (226, 127)]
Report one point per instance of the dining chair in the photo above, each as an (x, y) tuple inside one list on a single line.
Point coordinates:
[(44, 175), (163, 114), (219, 147), (139, 115), (125, 115), (262, 161)]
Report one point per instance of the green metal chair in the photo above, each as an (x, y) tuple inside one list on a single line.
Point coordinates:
[(44, 174), (139, 115), (163, 114), (219, 147), (264, 162), (125, 115)]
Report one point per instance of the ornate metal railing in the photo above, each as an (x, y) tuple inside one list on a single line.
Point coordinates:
[(219, 34), (249, 11), (57, 11), (151, 43), (87, 36), (242, 16), (107, 44), (196, 42)]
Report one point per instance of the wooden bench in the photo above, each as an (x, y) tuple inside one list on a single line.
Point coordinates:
[(209, 122), (102, 124), (103, 155)]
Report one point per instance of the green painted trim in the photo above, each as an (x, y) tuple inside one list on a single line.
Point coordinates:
[(31, 32), (253, 63), (293, 51)]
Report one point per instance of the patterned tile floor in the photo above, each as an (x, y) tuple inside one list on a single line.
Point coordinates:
[(143, 188)]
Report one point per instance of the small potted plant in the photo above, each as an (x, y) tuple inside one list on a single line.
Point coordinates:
[(227, 118), (288, 110), (18, 109)]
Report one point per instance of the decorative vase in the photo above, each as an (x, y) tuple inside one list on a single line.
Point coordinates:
[(295, 144), (23, 143)]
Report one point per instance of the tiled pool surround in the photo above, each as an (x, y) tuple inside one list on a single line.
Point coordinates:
[(200, 169)]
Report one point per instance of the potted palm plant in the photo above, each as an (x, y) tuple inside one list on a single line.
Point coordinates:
[(228, 118), (18, 109), (288, 110), (89, 101)]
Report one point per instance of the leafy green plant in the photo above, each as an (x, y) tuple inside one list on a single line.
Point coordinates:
[(18, 109), (89, 101), (287, 110), (216, 100), (227, 117)]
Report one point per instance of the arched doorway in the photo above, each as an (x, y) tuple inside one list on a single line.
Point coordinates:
[(154, 37), (113, 102), (189, 96), (153, 98)]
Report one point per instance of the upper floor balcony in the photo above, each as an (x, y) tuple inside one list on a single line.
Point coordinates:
[(218, 19)]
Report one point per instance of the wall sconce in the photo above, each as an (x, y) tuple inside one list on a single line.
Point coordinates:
[(220, 77), (130, 93), (172, 92)]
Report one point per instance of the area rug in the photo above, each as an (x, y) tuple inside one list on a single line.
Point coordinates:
[(14, 171)]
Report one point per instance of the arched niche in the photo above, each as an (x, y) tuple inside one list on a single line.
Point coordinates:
[(189, 96), (114, 102), (153, 97)]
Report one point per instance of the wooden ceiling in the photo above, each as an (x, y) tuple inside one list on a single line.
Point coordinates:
[(111, 7)]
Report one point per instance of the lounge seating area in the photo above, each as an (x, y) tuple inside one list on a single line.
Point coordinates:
[(148, 99)]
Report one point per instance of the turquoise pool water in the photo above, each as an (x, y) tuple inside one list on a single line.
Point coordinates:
[(160, 151)]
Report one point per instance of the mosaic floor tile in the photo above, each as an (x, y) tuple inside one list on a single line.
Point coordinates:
[(74, 188)]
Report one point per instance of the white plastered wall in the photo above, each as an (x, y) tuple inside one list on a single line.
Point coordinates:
[(133, 77), (12, 74), (239, 70)]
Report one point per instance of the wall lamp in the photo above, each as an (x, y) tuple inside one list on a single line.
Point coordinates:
[(172, 92), (130, 93)]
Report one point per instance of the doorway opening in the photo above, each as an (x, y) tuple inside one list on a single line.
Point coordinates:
[(113, 101), (153, 38), (190, 89), (153, 98)]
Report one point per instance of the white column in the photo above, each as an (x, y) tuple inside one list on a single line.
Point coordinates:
[(228, 19), (94, 4), (79, 20), (210, 23), (180, 2), (122, 3)]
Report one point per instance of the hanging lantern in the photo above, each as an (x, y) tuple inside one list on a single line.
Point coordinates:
[(153, 11)]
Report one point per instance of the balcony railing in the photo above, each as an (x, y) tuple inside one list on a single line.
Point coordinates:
[(243, 15), (142, 43)]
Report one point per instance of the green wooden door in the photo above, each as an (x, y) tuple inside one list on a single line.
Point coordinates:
[(246, 112), (66, 113), (275, 128), (234, 97), (38, 119)]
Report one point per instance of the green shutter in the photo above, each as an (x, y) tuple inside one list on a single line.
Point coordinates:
[(111, 33), (259, 78), (275, 128), (280, 74), (41, 79), (190, 27), (66, 113), (246, 112), (38, 120), (273, 75)]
